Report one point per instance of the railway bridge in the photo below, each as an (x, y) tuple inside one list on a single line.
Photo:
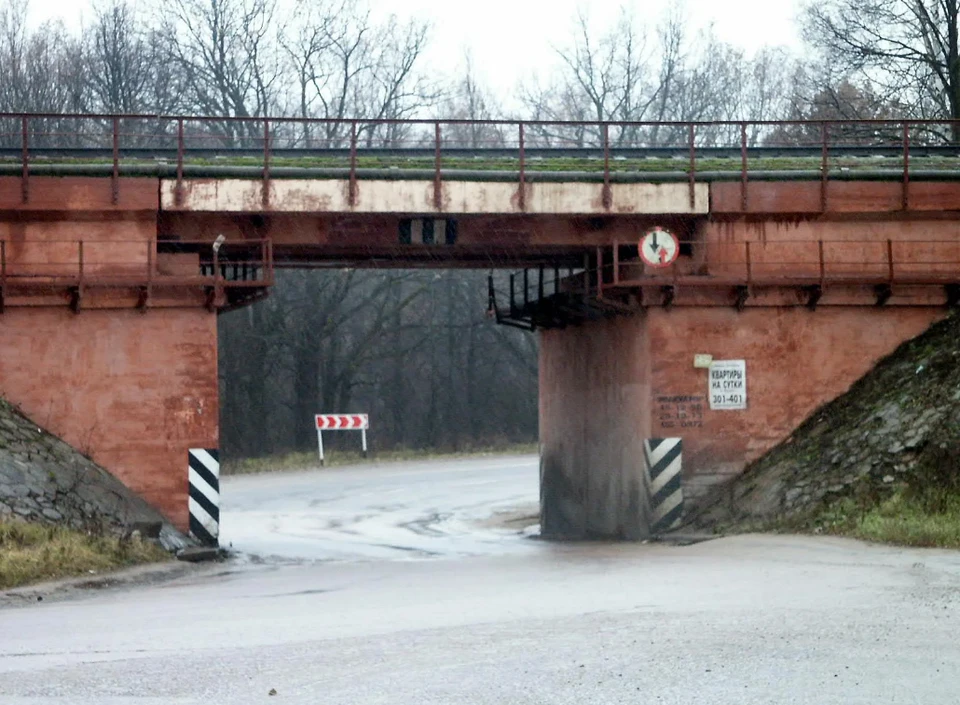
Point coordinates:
[(796, 254)]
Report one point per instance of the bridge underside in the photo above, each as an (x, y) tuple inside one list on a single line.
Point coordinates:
[(109, 288)]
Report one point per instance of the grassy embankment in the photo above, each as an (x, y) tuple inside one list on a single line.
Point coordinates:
[(305, 461), (922, 511), (31, 553)]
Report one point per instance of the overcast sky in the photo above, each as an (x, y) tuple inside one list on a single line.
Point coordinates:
[(510, 39)]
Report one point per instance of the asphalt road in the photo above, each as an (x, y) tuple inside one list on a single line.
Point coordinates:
[(352, 601)]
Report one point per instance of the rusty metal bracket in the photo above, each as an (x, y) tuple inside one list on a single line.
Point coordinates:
[(669, 293), (883, 292), (143, 299), (743, 293), (75, 298), (953, 295)]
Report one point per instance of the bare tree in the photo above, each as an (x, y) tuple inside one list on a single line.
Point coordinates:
[(468, 99), (906, 49), (227, 52), (347, 66)]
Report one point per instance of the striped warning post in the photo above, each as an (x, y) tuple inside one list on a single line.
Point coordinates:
[(664, 466), (204, 469)]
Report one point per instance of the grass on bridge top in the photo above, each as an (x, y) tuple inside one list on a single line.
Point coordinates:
[(679, 165)]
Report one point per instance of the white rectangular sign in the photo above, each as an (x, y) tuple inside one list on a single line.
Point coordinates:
[(728, 385)]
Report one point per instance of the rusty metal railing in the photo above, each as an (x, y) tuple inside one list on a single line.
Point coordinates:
[(267, 148), (76, 266)]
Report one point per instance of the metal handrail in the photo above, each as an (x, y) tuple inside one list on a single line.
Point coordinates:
[(898, 135)]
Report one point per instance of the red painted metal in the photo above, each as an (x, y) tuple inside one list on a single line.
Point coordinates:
[(115, 175), (178, 193), (906, 166), (824, 166), (352, 193), (743, 167), (823, 266), (25, 160), (265, 193), (692, 137), (830, 129), (890, 266), (616, 262), (437, 164), (522, 193), (607, 198), (599, 272)]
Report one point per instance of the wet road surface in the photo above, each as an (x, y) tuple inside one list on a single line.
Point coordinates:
[(425, 601), (407, 510)]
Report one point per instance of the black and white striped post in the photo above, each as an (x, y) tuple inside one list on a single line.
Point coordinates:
[(664, 461), (204, 471)]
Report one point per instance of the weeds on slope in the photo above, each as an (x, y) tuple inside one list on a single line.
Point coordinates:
[(31, 553)]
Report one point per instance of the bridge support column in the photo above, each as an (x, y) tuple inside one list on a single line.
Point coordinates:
[(594, 387)]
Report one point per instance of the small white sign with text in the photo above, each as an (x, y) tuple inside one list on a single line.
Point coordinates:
[(728, 385)]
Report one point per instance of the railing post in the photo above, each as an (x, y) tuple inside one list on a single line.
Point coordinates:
[(265, 193), (693, 165), (178, 191), (890, 272), (743, 167), (607, 197), (115, 176), (437, 163), (25, 161), (352, 192), (616, 262), (824, 166), (216, 278), (522, 193), (80, 262), (749, 266), (823, 264), (599, 272), (906, 166)]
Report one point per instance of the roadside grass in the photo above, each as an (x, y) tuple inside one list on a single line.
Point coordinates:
[(31, 553), (305, 461), (903, 518)]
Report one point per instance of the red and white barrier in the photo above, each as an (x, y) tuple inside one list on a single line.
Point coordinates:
[(341, 422)]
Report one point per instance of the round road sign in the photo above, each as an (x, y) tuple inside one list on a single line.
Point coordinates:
[(659, 248)]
